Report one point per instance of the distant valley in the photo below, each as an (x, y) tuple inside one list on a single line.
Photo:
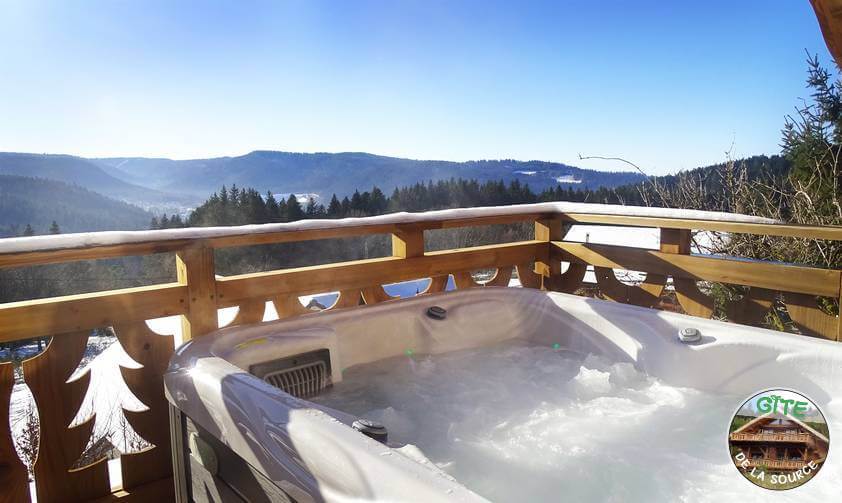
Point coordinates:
[(175, 186), (341, 173), (124, 193)]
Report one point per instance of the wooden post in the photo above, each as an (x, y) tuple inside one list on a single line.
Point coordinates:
[(549, 229), (195, 268), (408, 243), (675, 241), (691, 299)]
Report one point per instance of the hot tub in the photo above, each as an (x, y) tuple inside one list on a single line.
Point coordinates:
[(516, 394)]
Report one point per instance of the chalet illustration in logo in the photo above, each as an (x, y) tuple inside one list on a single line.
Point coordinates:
[(778, 439)]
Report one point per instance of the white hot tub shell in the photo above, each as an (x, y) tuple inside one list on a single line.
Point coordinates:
[(236, 436)]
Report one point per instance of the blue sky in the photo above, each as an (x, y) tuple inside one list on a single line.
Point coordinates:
[(668, 85)]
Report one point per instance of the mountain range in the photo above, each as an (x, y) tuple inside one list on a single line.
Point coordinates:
[(156, 185), (340, 173), (174, 185), (37, 188)]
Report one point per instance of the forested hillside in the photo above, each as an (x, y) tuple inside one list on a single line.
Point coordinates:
[(237, 206), (89, 175), (343, 173), (38, 203)]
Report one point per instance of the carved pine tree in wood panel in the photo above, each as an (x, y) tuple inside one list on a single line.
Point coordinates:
[(153, 351), (58, 403)]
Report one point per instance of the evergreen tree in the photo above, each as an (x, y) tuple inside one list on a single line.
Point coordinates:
[(311, 211), (356, 207), (54, 228), (283, 213), (813, 141), (334, 209), (28, 231), (294, 211), (272, 213)]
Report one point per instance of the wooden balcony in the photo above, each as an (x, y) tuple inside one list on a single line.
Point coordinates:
[(199, 293), (777, 464), (797, 438)]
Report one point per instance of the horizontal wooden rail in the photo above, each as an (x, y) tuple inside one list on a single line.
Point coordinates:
[(233, 290), (830, 233), (773, 276), (164, 241), (55, 249), (58, 315)]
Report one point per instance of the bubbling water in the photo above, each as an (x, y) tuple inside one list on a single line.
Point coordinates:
[(520, 422)]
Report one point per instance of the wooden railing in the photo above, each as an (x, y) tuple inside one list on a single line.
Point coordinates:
[(803, 438), (777, 464), (198, 294)]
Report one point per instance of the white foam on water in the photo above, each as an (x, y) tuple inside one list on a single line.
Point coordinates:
[(519, 422)]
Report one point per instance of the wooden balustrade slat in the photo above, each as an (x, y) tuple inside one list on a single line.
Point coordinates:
[(362, 273), (159, 491), (437, 284), (153, 351), (288, 306), (464, 280), (375, 294), (769, 275), (56, 315), (646, 294), (502, 277), (58, 402), (567, 282), (14, 483), (810, 320), (248, 312)]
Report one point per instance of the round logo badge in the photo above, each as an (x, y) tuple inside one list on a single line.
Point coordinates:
[(778, 439)]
